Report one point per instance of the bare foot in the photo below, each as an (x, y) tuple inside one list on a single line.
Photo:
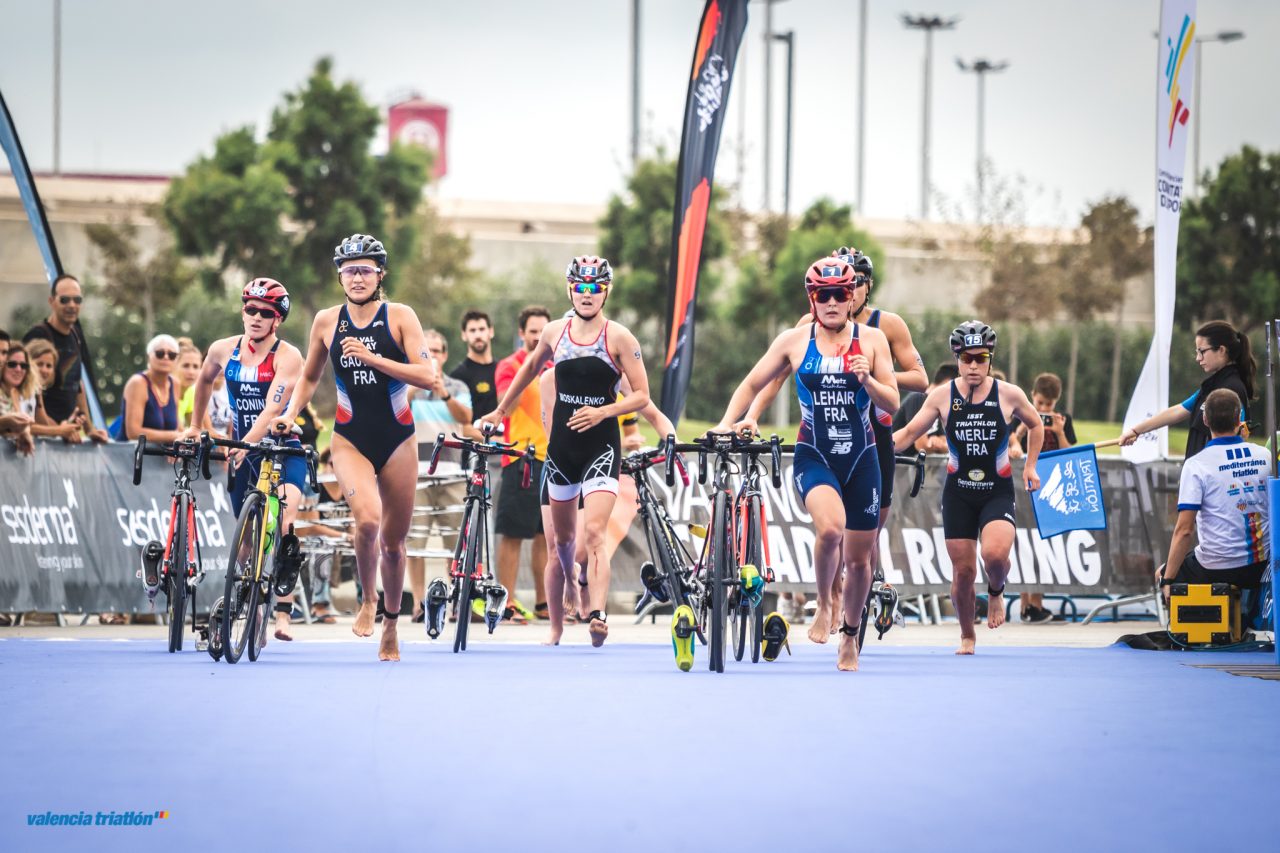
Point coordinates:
[(837, 613), (282, 627), (820, 631), (966, 646), (847, 655), (553, 639), (363, 626), (995, 610), (599, 630), (389, 647), (584, 602)]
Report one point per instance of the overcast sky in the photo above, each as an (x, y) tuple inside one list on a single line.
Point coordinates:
[(539, 91)]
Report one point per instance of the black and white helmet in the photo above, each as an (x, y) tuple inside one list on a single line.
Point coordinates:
[(359, 246), (973, 334), (855, 258)]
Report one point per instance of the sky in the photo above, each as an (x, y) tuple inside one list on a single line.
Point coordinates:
[(539, 92)]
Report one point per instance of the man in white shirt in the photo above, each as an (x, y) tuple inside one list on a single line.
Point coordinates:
[(1223, 488)]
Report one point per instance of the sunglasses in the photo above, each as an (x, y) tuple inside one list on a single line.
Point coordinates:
[(255, 311), (824, 295), (588, 287), (167, 355), (349, 273), (974, 357), (65, 300), (17, 365)]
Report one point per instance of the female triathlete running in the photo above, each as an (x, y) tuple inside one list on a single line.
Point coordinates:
[(591, 355), (378, 350), (842, 369), (977, 500)]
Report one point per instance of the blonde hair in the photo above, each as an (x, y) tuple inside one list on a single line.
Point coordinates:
[(30, 383)]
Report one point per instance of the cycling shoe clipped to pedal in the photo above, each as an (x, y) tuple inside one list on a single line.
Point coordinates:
[(152, 554), (752, 584), (288, 564), (436, 607), (888, 613), (654, 582), (495, 602), (683, 625), (776, 632), (213, 631)]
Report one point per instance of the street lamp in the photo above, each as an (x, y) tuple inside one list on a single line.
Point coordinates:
[(768, 94), (981, 67), (928, 24), (635, 83), (1226, 37), (788, 38)]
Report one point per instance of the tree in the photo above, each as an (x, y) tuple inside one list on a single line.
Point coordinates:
[(1094, 275), (1229, 244), (134, 281), (280, 206)]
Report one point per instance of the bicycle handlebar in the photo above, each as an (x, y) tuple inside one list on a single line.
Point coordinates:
[(480, 448), (917, 461), (724, 444), (270, 446), (641, 460), (189, 448)]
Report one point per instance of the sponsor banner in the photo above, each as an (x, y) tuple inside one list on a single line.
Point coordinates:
[(1175, 73), (1118, 560), (715, 53), (72, 527), (1070, 494), (422, 123)]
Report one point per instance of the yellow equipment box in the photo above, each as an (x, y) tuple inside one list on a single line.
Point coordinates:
[(1204, 614)]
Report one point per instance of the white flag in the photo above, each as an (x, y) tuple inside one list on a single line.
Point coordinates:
[(1174, 75)]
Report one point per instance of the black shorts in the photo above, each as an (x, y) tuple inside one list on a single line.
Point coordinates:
[(1244, 577), (884, 452), (964, 515), (518, 514)]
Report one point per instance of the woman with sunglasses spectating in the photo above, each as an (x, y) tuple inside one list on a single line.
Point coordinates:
[(378, 351), (977, 500), (590, 355), (150, 399), (842, 369)]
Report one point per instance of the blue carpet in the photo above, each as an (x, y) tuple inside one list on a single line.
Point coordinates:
[(318, 746)]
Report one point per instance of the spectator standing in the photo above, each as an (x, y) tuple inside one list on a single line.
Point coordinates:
[(518, 516), (18, 393), (1059, 432), (445, 407), (65, 398), (188, 370), (150, 404), (477, 368), (22, 382)]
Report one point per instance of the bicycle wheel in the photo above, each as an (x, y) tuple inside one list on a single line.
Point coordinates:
[(754, 555), (868, 612), (466, 586), (739, 618), (240, 592), (176, 585), (262, 620), (721, 548)]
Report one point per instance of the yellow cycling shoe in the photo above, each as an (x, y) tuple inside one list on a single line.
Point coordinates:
[(776, 631), (682, 630)]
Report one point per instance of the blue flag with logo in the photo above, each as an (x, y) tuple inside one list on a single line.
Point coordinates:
[(1070, 493)]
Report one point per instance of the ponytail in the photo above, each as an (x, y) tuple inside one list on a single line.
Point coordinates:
[(1220, 333)]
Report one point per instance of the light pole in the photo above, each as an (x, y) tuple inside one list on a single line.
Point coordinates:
[(1225, 36), (788, 38), (768, 96), (635, 83), (982, 67), (57, 87), (928, 24), (862, 101)]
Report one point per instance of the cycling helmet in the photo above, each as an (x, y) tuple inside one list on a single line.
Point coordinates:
[(360, 246), (861, 263), (973, 334), (829, 272), (270, 291), (587, 268)]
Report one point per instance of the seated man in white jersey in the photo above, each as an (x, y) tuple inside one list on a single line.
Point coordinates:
[(1223, 490)]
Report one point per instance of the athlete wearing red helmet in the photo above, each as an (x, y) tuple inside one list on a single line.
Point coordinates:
[(260, 371), (841, 369)]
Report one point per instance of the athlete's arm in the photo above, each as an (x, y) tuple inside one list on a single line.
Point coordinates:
[(771, 391), (930, 410), (652, 414), (1170, 416), (1025, 412), (213, 364), (288, 368), (625, 351), (1184, 531), (876, 374), (772, 364), (913, 377), (312, 370), (418, 371), (528, 370)]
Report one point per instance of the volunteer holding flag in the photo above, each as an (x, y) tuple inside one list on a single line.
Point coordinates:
[(977, 500)]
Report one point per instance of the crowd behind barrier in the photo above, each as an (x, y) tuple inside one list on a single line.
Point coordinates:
[(72, 526)]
